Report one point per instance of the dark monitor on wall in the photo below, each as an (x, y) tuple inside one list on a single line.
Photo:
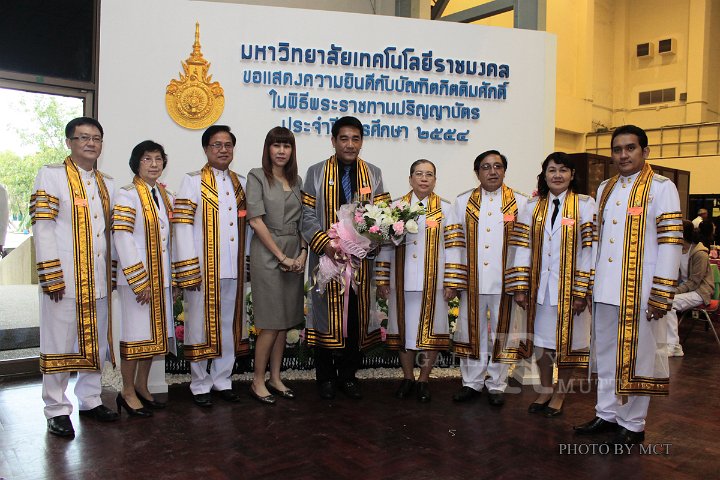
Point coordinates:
[(53, 38)]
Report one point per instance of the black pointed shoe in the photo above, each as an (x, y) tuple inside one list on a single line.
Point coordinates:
[(596, 425), (537, 407), (229, 396), (351, 389), (60, 426), (496, 398), (133, 412), (405, 389), (627, 437), (203, 400), (327, 390), (422, 391), (152, 404), (100, 413), (465, 394)]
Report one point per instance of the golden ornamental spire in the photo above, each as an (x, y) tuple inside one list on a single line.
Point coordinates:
[(195, 101)]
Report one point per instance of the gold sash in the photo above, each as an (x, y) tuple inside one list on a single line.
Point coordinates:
[(157, 343), (426, 339), (88, 356), (627, 381), (333, 338), (472, 212), (566, 357), (211, 348)]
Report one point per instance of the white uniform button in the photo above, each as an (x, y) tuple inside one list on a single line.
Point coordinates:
[(617, 203), (614, 222), (489, 214), (227, 193), (612, 240), (414, 255), (415, 242), (487, 246), (95, 216), (610, 259), (162, 226), (485, 263), (232, 223), (232, 239), (487, 229)]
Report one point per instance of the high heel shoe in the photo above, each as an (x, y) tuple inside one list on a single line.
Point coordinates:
[(151, 404), (133, 412)]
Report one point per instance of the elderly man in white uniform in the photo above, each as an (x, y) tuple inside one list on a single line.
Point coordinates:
[(487, 214), (639, 248), (71, 225), (209, 252)]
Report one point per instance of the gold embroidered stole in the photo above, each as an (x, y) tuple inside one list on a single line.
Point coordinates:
[(472, 212), (333, 338), (88, 356), (211, 348), (627, 381), (157, 343), (568, 252), (426, 339)]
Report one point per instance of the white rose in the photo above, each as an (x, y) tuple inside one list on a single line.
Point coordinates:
[(411, 226), (293, 336), (386, 220), (415, 208)]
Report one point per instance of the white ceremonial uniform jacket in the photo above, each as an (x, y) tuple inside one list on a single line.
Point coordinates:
[(210, 235), (638, 259), (418, 265), (553, 264), (144, 255), (70, 211), (487, 219)]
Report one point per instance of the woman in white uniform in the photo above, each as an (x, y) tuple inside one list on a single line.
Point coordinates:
[(550, 277), (141, 233), (411, 278)]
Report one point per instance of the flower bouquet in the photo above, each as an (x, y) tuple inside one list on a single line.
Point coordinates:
[(360, 230)]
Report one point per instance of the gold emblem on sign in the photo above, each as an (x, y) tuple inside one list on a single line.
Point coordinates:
[(195, 101)]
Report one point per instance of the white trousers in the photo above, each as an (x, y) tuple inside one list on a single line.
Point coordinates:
[(630, 415), (58, 334), (682, 302), (221, 368), (474, 370)]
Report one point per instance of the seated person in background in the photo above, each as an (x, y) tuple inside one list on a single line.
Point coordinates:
[(695, 291)]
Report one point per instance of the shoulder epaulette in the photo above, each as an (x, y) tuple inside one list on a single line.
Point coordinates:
[(533, 199), (521, 193), (583, 198), (604, 182), (660, 178), (129, 187), (194, 174), (105, 175), (55, 165), (466, 192)]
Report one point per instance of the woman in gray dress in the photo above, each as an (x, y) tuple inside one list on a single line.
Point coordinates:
[(277, 258)]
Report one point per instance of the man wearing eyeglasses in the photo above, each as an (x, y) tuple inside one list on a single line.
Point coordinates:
[(209, 219), (487, 215), (70, 210)]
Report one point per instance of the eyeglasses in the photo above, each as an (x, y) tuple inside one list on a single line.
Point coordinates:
[(419, 174), (495, 166), (151, 160), (217, 146), (87, 139)]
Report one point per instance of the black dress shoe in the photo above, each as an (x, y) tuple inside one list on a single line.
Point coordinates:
[(550, 412), (423, 392), (266, 400), (626, 437), (596, 425), (465, 394), (351, 389), (537, 407), (133, 412), (60, 426), (152, 404), (327, 390), (229, 396), (203, 400), (289, 394), (405, 389), (100, 413), (495, 398)]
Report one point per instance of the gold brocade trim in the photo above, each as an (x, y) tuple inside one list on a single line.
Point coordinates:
[(88, 356), (48, 264), (454, 226), (211, 348), (308, 200), (333, 338), (665, 281), (157, 343), (472, 211), (669, 216), (627, 381)]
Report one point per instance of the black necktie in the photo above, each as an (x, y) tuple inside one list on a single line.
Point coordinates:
[(156, 199), (347, 184), (556, 202)]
